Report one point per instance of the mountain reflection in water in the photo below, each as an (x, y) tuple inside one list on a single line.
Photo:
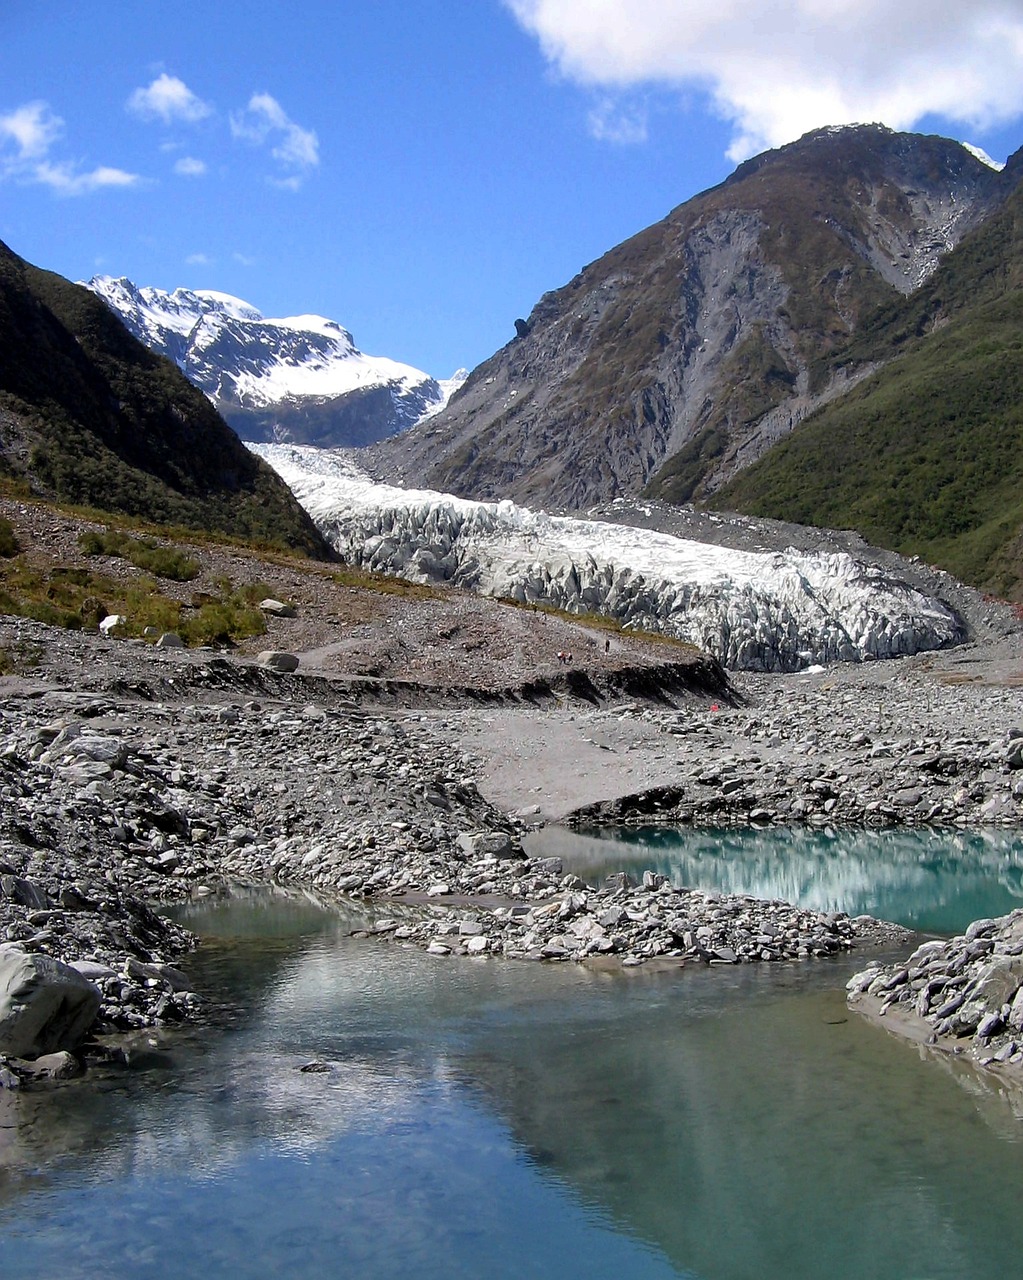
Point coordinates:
[(934, 881)]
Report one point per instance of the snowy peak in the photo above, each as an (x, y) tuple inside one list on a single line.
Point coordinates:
[(298, 378)]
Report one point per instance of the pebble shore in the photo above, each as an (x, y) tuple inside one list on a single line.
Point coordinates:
[(963, 995), (125, 783)]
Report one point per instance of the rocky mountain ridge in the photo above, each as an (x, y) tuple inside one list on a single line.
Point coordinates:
[(924, 453), (686, 352), (300, 378)]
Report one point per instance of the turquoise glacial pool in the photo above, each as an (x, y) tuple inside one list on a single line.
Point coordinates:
[(502, 1119)]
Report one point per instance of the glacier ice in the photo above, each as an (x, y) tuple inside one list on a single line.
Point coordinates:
[(754, 610)]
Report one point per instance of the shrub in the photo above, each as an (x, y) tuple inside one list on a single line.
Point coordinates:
[(152, 557), (8, 539), (21, 655)]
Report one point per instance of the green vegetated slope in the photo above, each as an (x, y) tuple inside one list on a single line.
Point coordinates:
[(89, 416), (925, 456)]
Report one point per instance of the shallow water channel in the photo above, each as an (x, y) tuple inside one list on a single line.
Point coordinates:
[(502, 1119)]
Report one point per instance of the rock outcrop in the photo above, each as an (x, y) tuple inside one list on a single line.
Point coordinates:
[(964, 995), (45, 1006)]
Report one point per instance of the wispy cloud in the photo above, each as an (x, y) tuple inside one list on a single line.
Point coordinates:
[(774, 73), (190, 167), (32, 128), (170, 100), (265, 122), (28, 135), (623, 123), (243, 260), (199, 260), (63, 179)]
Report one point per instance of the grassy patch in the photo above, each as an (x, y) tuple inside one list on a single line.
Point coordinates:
[(152, 557), (8, 540), (19, 656), (77, 597), (386, 584)]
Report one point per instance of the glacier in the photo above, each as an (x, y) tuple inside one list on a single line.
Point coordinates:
[(753, 610)]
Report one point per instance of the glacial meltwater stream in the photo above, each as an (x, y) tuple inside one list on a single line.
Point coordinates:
[(506, 1119)]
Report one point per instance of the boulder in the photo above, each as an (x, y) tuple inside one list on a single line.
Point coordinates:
[(51, 1066), (114, 624), (487, 844), (25, 893), (103, 748), (277, 660), (45, 1006), (278, 608), (170, 640)]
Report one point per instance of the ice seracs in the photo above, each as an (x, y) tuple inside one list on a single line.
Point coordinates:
[(754, 610)]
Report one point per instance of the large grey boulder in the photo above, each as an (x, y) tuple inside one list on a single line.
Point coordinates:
[(277, 660), (487, 844), (45, 1006), (278, 608)]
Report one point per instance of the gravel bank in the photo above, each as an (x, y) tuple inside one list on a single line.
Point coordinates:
[(130, 775)]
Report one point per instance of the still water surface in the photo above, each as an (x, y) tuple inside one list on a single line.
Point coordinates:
[(934, 881), (487, 1118)]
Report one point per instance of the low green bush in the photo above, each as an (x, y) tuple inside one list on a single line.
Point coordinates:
[(8, 539), (152, 557)]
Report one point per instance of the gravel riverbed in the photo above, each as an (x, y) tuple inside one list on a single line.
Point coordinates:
[(131, 776)]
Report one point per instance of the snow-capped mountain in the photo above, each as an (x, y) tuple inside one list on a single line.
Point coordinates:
[(300, 378), (754, 610)]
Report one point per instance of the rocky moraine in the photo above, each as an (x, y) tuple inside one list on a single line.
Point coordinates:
[(131, 777)]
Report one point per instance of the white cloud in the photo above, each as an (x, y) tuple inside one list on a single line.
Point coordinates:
[(778, 69), (199, 260), (189, 167), (63, 179), (27, 136), (295, 149), (243, 260), (32, 128), (168, 99)]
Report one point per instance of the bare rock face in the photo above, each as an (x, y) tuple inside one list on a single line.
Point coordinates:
[(685, 353), (45, 1006)]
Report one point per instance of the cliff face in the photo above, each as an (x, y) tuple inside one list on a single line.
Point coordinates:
[(685, 353)]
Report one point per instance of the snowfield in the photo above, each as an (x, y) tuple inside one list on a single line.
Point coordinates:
[(761, 611), (236, 354)]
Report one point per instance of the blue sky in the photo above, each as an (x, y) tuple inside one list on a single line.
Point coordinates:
[(423, 170)]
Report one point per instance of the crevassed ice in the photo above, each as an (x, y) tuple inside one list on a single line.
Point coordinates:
[(753, 610)]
